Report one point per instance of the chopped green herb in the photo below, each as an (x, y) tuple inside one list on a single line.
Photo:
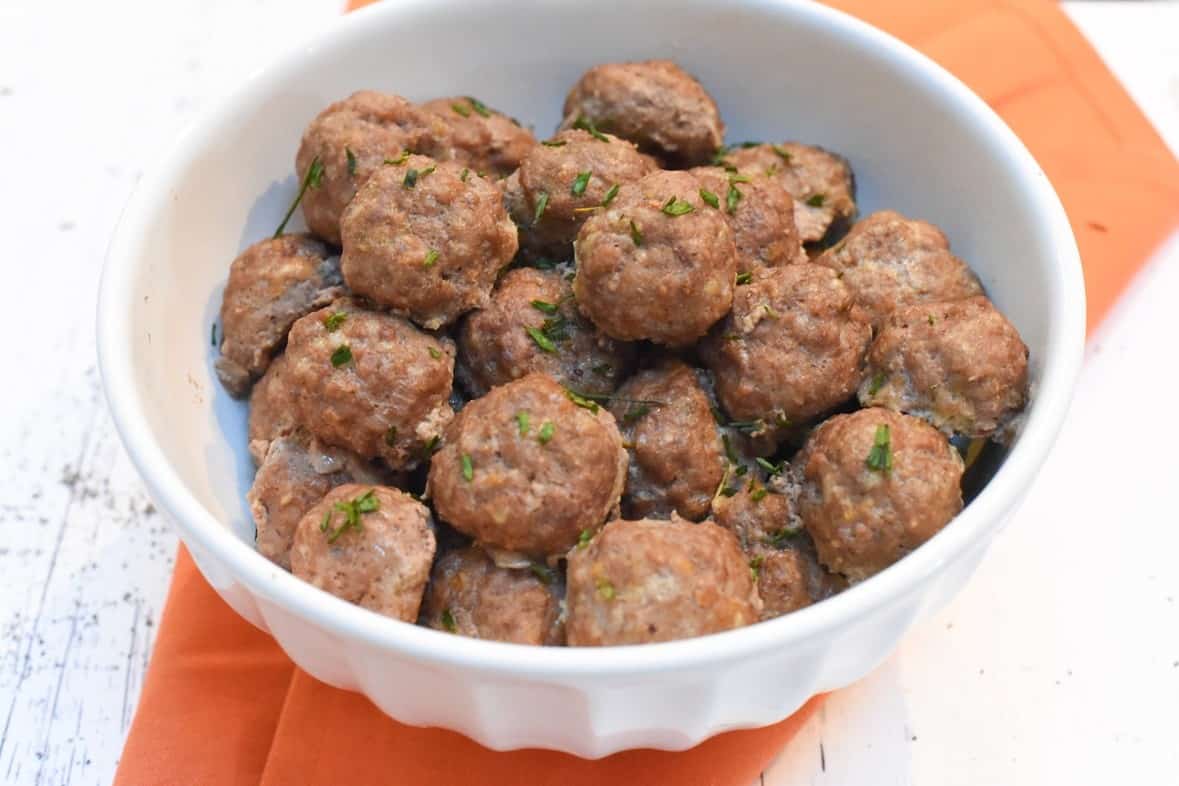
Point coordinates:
[(587, 125), (816, 200), (555, 328), (352, 510), (541, 339), (541, 203), (741, 471), (391, 436), (582, 401), (464, 174), (782, 152), (213, 334), (544, 264), (878, 380), (468, 468), (435, 353), (605, 588), (546, 432), (733, 198), (554, 143), (448, 621), (542, 572), (730, 452), (430, 446), (635, 234), (749, 143), (635, 413), (479, 107), (718, 158), (931, 319), (610, 194), (781, 421), (333, 321), (401, 159), (880, 457), (677, 207), (411, 178), (758, 494), (544, 306), (580, 182), (770, 312), (710, 198), (522, 420), (748, 426), (770, 466), (342, 355), (737, 177), (461, 110), (431, 258), (351, 161), (732, 337), (744, 278), (755, 567), (728, 491), (584, 538), (312, 179)]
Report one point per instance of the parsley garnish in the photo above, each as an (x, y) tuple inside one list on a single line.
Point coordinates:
[(434, 353), (430, 446), (546, 432), (401, 159), (880, 457), (448, 621), (461, 110), (744, 278), (733, 198), (479, 107), (580, 182), (365, 503), (411, 178), (541, 203), (468, 468), (333, 321), (816, 200), (542, 341), (770, 466), (770, 312), (582, 401), (783, 536), (342, 355), (635, 234), (584, 538), (757, 493), (610, 194), (677, 207), (605, 588), (464, 174), (712, 199), (782, 152), (878, 380), (635, 413), (312, 179), (588, 126), (351, 161), (544, 306), (554, 143), (522, 420), (755, 567), (542, 572)]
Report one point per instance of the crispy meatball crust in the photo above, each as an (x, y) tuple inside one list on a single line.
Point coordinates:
[(650, 580), (495, 345), (960, 365), (372, 127), (426, 240), (792, 348), (540, 195), (382, 565), (371, 382), (645, 274), (471, 596), (478, 137), (676, 456), (655, 104), (528, 483), (296, 473), (761, 213), (271, 414), (888, 261), (271, 284), (821, 182), (863, 519)]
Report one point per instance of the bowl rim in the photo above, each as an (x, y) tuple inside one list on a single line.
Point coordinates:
[(1060, 369)]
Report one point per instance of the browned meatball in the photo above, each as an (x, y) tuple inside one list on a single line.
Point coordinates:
[(369, 545), (369, 382), (526, 469), (271, 284), (559, 183), (676, 456), (761, 213), (426, 239), (650, 580), (821, 183), (875, 485), (659, 263), (960, 365), (532, 324), (351, 139), (655, 104), (792, 349), (472, 596), (791, 578), (479, 137), (271, 413), (759, 512), (295, 474), (888, 261)]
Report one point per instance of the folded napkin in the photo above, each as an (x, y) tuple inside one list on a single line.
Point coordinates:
[(222, 705)]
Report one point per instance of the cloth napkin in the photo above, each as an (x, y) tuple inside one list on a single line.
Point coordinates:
[(223, 706)]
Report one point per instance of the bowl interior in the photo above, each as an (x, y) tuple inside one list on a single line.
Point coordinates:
[(779, 71)]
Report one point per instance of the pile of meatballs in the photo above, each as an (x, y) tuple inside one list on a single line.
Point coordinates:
[(625, 384)]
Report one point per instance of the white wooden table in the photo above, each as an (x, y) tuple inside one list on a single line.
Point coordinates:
[(1058, 664)]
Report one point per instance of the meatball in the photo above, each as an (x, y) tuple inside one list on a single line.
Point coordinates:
[(960, 365), (426, 239), (479, 137), (761, 213), (271, 414), (532, 325), (271, 284), (791, 578), (888, 261), (528, 468), (369, 545), (648, 580), (659, 263), (760, 513), (655, 104), (676, 456), (472, 596), (875, 485), (351, 139), (792, 348), (369, 382), (821, 183), (561, 181), (296, 473)]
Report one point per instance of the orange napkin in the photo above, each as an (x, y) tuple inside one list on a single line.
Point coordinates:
[(223, 706)]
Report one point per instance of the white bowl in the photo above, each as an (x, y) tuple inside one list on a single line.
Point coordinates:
[(919, 141)]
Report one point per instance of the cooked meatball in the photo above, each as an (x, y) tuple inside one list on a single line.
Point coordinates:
[(271, 284), (351, 139), (659, 263), (296, 473), (821, 183), (655, 104), (888, 261), (875, 485), (761, 213), (271, 414), (532, 324), (759, 512), (792, 348), (649, 580), (472, 596), (427, 239), (370, 545), (479, 137), (369, 382), (791, 578), (527, 469), (561, 181), (959, 364), (676, 456)]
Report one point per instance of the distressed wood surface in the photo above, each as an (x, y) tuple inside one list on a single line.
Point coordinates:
[(1023, 672)]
